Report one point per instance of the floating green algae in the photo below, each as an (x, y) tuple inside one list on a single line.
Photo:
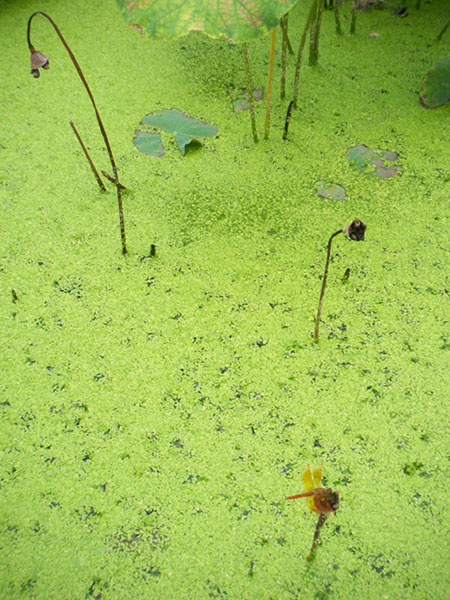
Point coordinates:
[(156, 410)]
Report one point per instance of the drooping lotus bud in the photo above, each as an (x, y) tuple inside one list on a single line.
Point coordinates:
[(38, 60), (355, 230)]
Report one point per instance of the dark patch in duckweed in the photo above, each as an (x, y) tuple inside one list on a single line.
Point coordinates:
[(413, 468)]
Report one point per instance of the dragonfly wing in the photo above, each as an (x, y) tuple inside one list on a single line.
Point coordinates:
[(318, 477), (312, 504), (308, 480)]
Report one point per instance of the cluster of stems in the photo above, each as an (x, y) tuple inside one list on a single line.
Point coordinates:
[(312, 27)]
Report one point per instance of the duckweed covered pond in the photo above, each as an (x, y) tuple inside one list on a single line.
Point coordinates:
[(157, 410)]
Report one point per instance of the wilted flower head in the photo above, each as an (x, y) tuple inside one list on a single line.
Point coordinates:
[(38, 60), (355, 230)]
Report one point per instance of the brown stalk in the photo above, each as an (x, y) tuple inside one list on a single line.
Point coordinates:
[(324, 284), (287, 120), (319, 525), (89, 159), (250, 91)]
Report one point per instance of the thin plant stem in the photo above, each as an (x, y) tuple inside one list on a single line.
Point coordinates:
[(250, 91), (111, 179), (312, 38), (89, 159), (97, 114), (319, 525), (337, 19), (418, 4), (319, 25), (284, 27), (353, 21), (309, 19), (289, 45), (288, 41), (269, 83), (315, 34), (446, 26), (324, 283), (288, 119)]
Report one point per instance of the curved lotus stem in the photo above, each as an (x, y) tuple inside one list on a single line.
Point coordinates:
[(324, 283), (39, 60), (355, 231)]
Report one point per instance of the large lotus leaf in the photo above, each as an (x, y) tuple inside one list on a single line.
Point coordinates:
[(435, 89), (184, 128), (373, 161), (235, 20)]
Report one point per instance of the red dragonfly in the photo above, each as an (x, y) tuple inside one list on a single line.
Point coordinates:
[(320, 500)]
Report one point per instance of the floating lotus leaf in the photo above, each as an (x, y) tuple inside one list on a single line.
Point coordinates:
[(330, 190), (149, 143), (235, 20), (242, 103), (373, 161), (184, 128), (435, 89)]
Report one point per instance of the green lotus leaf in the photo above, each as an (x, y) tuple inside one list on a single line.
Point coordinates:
[(330, 190), (148, 143), (235, 20), (184, 128), (435, 89), (373, 162)]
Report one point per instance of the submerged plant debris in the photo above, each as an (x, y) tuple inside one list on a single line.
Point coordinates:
[(242, 103), (373, 162), (184, 128), (333, 191)]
